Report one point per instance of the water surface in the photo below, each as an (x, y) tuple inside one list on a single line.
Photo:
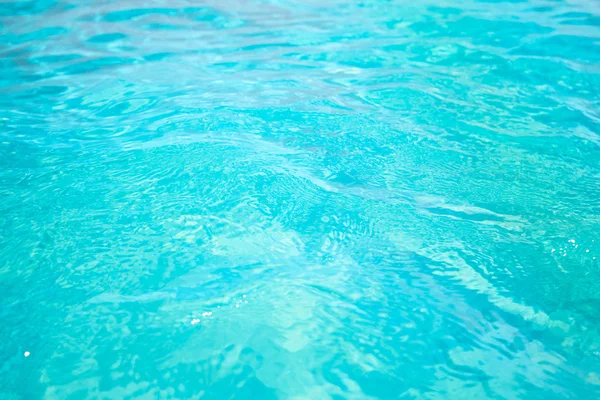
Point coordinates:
[(300, 199)]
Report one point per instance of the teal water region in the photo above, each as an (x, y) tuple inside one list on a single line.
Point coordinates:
[(299, 199)]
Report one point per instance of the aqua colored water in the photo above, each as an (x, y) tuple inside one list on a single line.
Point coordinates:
[(300, 199)]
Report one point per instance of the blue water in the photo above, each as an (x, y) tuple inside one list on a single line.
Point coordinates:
[(300, 199)]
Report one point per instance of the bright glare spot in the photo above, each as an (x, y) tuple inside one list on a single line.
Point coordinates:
[(195, 321), (27, 354)]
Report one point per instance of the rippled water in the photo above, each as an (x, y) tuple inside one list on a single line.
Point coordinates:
[(300, 199)]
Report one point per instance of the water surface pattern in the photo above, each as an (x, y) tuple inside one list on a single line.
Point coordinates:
[(300, 199)]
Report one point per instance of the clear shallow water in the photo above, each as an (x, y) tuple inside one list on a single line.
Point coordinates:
[(375, 200)]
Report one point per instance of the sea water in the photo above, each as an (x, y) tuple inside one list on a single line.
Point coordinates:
[(300, 199)]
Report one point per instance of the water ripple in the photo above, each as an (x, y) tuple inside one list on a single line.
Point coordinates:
[(298, 199)]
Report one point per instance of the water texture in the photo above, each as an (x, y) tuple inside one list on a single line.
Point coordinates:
[(300, 199)]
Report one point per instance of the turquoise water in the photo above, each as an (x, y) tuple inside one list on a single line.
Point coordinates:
[(300, 199)]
